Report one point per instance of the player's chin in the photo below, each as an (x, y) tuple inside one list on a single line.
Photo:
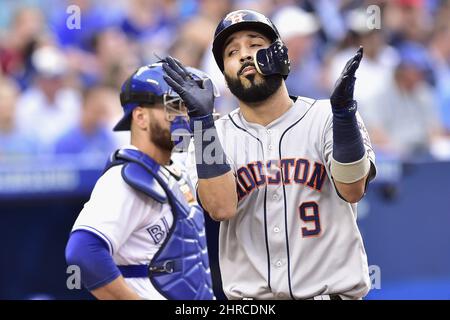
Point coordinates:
[(250, 80), (167, 145), (256, 77), (162, 139)]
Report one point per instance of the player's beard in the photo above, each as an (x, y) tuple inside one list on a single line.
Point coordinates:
[(258, 91), (161, 136)]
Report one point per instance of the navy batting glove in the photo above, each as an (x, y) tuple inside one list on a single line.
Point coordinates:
[(348, 144), (199, 100), (342, 96)]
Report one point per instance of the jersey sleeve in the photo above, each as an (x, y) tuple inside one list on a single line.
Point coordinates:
[(114, 210), (328, 143)]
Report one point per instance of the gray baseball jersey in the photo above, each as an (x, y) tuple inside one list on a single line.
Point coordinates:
[(293, 237)]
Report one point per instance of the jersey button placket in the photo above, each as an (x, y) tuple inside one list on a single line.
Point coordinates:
[(279, 263), (269, 142)]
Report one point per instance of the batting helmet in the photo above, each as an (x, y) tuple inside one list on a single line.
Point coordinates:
[(146, 86), (273, 60)]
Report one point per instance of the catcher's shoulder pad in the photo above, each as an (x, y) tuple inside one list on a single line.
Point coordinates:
[(138, 172), (139, 178)]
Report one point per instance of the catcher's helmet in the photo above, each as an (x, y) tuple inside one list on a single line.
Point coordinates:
[(269, 61), (146, 86)]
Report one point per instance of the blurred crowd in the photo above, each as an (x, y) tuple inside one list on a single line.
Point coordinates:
[(62, 64)]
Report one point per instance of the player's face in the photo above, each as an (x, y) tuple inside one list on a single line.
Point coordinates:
[(160, 129), (239, 67)]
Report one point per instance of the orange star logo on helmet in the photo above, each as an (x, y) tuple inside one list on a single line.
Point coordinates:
[(235, 17)]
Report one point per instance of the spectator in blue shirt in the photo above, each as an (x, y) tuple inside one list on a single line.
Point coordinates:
[(92, 134)]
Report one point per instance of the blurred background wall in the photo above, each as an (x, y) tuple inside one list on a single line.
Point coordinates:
[(61, 67)]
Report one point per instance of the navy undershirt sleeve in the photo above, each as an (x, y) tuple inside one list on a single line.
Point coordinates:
[(348, 145)]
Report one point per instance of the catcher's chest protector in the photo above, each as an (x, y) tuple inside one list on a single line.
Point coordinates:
[(180, 269)]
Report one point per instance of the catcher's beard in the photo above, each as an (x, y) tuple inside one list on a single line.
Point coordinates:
[(161, 136), (257, 92)]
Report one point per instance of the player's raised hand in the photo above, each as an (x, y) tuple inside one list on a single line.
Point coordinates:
[(199, 99), (342, 95)]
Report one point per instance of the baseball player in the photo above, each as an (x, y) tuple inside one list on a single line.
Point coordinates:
[(283, 174), (141, 235)]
